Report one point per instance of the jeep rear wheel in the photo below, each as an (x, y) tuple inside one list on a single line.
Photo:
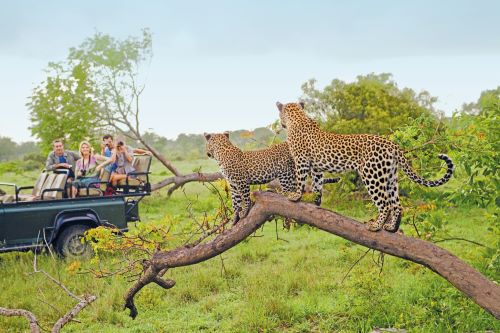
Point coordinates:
[(69, 243)]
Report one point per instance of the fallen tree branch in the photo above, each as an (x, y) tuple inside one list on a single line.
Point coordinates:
[(465, 278), (34, 328), (85, 300)]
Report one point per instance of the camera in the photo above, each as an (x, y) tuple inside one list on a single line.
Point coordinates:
[(83, 172)]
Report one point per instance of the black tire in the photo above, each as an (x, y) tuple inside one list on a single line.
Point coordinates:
[(69, 243)]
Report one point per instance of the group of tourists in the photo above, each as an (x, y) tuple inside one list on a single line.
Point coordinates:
[(85, 166)]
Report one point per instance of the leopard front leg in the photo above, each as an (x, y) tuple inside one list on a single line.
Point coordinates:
[(247, 203), (236, 199), (301, 171)]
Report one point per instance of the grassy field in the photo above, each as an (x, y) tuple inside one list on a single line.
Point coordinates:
[(291, 284)]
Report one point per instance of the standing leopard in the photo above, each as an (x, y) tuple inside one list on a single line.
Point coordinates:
[(374, 158), (245, 168)]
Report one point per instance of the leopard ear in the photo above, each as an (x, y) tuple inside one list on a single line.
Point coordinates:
[(207, 136), (302, 104), (226, 134), (279, 105)]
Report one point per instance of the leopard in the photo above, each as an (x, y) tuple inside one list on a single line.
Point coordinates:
[(256, 167), (373, 157)]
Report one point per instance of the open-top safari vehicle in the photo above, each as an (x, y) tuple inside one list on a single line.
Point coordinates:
[(48, 217)]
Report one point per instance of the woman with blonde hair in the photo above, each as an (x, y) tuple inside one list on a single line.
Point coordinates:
[(87, 169)]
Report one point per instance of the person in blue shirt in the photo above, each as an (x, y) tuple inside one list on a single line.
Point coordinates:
[(59, 158)]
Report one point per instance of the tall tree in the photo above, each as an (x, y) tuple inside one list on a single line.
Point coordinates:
[(372, 104), (100, 83), (64, 106)]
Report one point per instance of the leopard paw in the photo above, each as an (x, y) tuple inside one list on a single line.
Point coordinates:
[(390, 227), (374, 225), (236, 218), (394, 222), (294, 196)]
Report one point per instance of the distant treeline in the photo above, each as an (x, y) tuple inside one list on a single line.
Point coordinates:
[(10, 150), (192, 146), (184, 147)]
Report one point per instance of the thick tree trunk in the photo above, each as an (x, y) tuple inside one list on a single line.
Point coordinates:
[(465, 278)]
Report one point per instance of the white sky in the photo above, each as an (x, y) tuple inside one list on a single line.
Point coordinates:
[(222, 65)]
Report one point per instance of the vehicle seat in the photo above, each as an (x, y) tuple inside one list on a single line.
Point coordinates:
[(142, 164), (59, 183), (37, 190)]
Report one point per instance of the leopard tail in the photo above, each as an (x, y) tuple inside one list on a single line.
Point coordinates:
[(405, 165), (330, 180)]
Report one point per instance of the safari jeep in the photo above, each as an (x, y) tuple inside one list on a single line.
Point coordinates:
[(47, 217)]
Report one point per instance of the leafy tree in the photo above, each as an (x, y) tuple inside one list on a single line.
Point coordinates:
[(476, 141), (93, 89), (64, 106), (115, 72), (372, 104)]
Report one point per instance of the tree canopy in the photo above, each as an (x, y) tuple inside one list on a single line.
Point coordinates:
[(372, 104), (64, 106), (93, 89)]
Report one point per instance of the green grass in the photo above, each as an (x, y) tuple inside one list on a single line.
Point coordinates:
[(289, 285)]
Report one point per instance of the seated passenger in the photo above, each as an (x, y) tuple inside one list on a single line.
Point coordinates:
[(107, 147), (61, 159), (87, 168), (123, 156)]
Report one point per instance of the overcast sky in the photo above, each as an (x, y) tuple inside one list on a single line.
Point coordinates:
[(222, 65)]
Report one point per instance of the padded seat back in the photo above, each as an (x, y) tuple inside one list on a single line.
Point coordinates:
[(58, 183), (46, 185), (142, 163), (37, 188)]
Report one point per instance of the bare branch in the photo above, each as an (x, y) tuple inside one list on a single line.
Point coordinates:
[(34, 328), (86, 300)]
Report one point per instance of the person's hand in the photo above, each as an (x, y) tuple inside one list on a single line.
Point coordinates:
[(99, 167), (65, 165), (147, 152)]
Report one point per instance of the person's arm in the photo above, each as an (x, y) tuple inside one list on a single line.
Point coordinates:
[(102, 158), (128, 156), (142, 151), (113, 155), (99, 157), (76, 156), (49, 164), (77, 169)]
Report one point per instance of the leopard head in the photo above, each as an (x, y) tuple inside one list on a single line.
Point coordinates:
[(216, 142), (289, 111)]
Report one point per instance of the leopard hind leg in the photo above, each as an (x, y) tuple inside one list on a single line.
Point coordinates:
[(376, 184), (394, 219)]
